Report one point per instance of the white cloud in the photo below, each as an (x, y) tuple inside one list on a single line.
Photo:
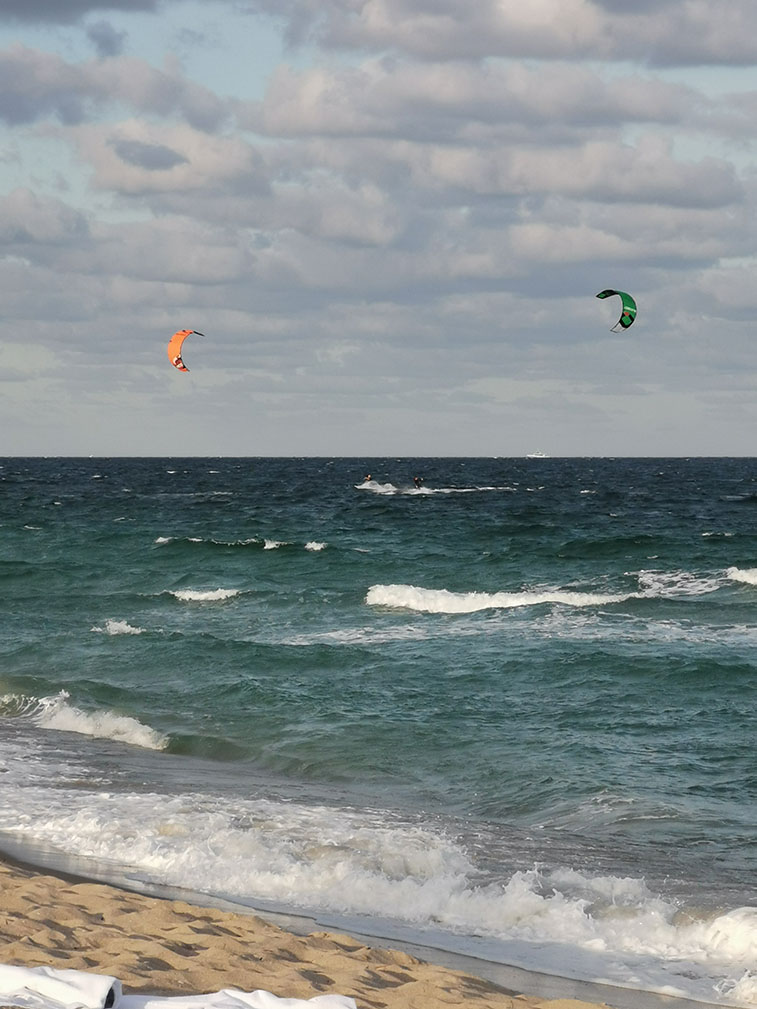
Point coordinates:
[(435, 100), (675, 32)]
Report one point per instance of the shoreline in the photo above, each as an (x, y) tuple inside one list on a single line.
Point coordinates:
[(188, 943), (161, 947)]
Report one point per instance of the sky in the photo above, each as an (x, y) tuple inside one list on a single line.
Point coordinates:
[(389, 219)]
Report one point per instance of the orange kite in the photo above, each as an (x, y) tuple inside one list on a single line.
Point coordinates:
[(174, 347)]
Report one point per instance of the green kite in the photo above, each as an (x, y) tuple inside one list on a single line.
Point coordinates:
[(628, 313)]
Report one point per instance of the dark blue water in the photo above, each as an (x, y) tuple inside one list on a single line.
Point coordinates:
[(508, 711)]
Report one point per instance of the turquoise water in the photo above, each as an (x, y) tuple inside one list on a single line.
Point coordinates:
[(508, 712)]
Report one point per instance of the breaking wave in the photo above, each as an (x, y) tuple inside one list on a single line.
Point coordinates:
[(411, 597), (356, 867), (55, 712), (390, 489), (116, 627), (204, 596), (746, 575)]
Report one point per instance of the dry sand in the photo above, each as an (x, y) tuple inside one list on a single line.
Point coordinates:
[(165, 947)]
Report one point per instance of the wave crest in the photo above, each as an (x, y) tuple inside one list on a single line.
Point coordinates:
[(116, 627), (204, 596), (389, 489), (411, 597), (54, 712), (746, 575)]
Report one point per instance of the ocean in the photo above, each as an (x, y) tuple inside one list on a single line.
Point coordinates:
[(509, 712)]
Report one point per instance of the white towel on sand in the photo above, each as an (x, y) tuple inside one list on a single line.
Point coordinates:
[(50, 988), (228, 998)]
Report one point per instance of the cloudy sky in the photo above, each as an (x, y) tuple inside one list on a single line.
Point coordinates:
[(388, 217)]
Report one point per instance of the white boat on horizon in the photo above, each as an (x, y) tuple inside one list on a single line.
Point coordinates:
[(536, 455)]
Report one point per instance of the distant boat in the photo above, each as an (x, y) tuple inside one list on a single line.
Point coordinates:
[(536, 455)]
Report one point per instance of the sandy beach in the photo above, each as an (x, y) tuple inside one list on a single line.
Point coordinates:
[(166, 947)]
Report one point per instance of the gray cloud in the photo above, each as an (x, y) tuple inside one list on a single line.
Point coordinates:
[(107, 40), (621, 6), (152, 157), (68, 11), (29, 91), (200, 166), (36, 85), (30, 220)]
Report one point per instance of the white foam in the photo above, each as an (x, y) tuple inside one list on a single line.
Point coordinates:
[(411, 597), (229, 543), (742, 991), (391, 489), (746, 575), (315, 546), (204, 596), (162, 540), (605, 625), (376, 488), (116, 627), (273, 544), (676, 584), (362, 636), (366, 870), (732, 935), (459, 490), (54, 712)]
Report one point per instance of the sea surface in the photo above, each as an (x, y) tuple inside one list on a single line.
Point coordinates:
[(510, 712)]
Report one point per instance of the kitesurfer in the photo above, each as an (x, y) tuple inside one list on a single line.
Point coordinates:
[(417, 480)]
